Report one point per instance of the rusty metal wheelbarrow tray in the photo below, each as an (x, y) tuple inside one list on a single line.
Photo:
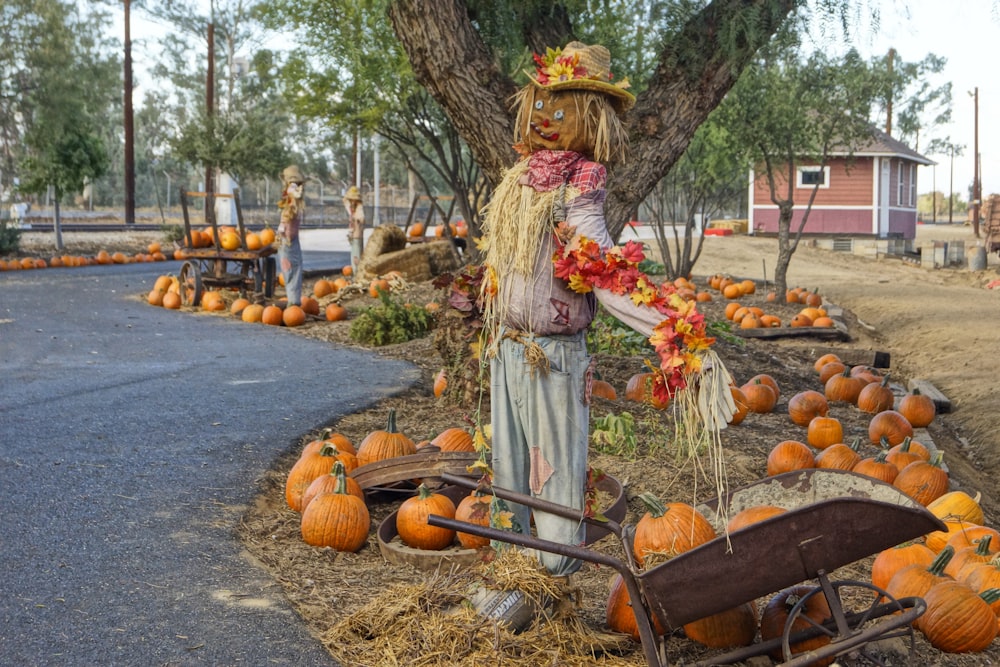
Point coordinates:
[(833, 518)]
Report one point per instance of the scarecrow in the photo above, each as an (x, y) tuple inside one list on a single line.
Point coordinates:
[(549, 260), (355, 224), (293, 212)]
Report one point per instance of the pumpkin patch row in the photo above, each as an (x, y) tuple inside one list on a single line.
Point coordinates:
[(153, 253)]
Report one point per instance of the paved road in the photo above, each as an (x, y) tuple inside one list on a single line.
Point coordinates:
[(131, 440)]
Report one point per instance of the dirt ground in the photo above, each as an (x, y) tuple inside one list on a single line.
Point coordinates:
[(937, 325)]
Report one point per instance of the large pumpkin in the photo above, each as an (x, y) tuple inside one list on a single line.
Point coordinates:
[(915, 580), (918, 409), (620, 614), (411, 520), (924, 481), (328, 484), (337, 520), (959, 505), (387, 444), (789, 455), (668, 529), (890, 561), (876, 397), (306, 469), (958, 619), (890, 425), (454, 439), (805, 405)]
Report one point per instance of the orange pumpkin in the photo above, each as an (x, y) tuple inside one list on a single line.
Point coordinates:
[(727, 629), (666, 530), (385, 444), (440, 383), (824, 431), (924, 481), (474, 508), (891, 425), (775, 615), (454, 440), (271, 315), (958, 619), (890, 561), (619, 614), (293, 316), (806, 405), (335, 312), (411, 520), (752, 515), (789, 455), (877, 467), (337, 520), (918, 409)]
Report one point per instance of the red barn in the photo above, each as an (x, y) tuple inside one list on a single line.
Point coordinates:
[(871, 193)]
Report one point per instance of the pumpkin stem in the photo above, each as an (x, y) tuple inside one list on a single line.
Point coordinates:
[(653, 504), (905, 445), (341, 474), (938, 460), (329, 449), (990, 595), (391, 426), (983, 548), (423, 492), (883, 443), (938, 564)]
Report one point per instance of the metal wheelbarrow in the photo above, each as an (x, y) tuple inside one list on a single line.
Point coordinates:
[(833, 518)]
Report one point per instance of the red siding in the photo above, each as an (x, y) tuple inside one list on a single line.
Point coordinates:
[(849, 186), (821, 221)]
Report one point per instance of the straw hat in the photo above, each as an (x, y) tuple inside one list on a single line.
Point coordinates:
[(292, 174), (353, 194), (581, 67)]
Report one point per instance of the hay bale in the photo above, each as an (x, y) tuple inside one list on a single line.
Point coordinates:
[(413, 263), (383, 239)]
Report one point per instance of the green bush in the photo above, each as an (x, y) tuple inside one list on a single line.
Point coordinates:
[(391, 321), (608, 335), (10, 238)]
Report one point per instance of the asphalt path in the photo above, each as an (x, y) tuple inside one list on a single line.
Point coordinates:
[(132, 439)]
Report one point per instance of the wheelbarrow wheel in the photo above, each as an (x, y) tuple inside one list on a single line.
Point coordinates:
[(858, 608), (191, 287)]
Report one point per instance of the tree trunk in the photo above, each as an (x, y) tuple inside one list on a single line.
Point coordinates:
[(785, 211), (453, 63), (696, 70), (57, 222)]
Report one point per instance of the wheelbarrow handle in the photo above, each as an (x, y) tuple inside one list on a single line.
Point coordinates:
[(535, 503)]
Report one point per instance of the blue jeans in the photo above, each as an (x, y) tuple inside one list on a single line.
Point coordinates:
[(293, 274), (541, 427)]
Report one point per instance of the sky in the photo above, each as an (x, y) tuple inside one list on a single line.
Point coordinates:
[(964, 32)]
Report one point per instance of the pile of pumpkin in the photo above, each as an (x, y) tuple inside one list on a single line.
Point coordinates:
[(333, 505), (754, 317), (153, 253)]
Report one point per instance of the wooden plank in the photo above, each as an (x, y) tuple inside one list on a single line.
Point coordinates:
[(854, 356), (941, 402), (827, 333)]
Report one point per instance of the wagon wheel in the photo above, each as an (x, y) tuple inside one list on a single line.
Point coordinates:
[(851, 631), (190, 283)]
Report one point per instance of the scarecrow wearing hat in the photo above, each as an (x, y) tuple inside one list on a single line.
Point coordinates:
[(355, 224), (293, 212), (549, 260)]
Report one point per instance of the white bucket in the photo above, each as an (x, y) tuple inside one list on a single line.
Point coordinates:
[(976, 258)]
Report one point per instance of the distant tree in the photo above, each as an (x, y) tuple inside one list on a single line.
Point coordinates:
[(787, 112), (708, 179)]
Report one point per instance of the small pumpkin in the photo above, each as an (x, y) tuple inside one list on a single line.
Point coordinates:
[(924, 481), (752, 515), (473, 508), (603, 389), (440, 383), (983, 577), (454, 439), (639, 388), (668, 529), (912, 446), (337, 520), (891, 425), (918, 409), (890, 561), (775, 616), (304, 471), (769, 381), (980, 553), (824, 432), (619, 614), (830, 369), (742, 409), (727, 629), (957, 504), (877, 467), (328, 484), (843, 388), (824, 360), (876, 397), (971, 534), (760, 397), (915, 580), (839, 456), (411, 520), (789, 455), (385, 444), (805, 405), (939, 539), (959, 620)]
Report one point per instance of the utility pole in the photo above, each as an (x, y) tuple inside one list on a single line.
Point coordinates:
[(888, 102), (129, 124), (976, 194), (951, 187), (209, 115)]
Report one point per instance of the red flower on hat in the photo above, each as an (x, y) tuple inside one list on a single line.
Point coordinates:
[(554, 66)]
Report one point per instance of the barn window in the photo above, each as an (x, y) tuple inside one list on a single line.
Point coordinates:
[(899, 183), (913, 185), (809, 177)]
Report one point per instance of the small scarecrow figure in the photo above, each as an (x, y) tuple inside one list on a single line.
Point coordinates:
[(549, 259), (293, 212), (355, 225)]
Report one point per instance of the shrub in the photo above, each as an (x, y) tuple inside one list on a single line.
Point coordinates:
[(390, 321)]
